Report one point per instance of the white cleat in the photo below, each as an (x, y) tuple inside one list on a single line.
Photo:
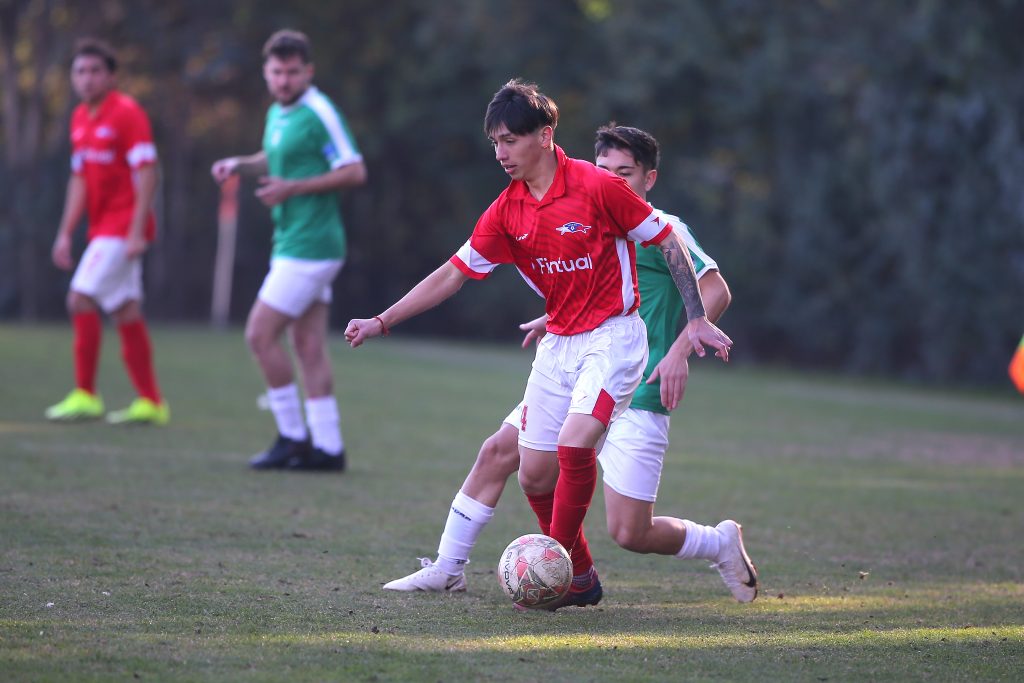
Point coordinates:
[(733, 563), (430, 578)]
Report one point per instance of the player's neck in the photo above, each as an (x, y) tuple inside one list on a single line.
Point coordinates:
[(97, 102), (539, 180)]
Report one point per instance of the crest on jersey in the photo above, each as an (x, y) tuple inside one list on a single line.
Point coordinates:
[(104, 132), (573, 228)]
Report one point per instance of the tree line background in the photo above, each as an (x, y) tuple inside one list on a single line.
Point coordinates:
[(856, 168)]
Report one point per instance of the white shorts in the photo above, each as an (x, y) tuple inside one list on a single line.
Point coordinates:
[(107, 276), (633, 453), (591, 373), (293, 285)]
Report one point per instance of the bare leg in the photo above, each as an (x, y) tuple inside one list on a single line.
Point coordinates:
[(263, 335), (632, 524)]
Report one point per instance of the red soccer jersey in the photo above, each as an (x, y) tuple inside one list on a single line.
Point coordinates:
[(105, 150), (574, 247)]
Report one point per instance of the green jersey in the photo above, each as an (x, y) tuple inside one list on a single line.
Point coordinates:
[(661, 307), (304, 139)]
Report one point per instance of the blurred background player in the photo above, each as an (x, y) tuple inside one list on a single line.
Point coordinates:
[(113, 181), (634, 450), (569, 228), (308, 155)]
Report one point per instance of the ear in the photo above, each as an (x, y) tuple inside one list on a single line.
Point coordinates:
[(650, 179), (547, 136)]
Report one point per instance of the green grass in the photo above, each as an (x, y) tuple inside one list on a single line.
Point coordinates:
[(886, 523)]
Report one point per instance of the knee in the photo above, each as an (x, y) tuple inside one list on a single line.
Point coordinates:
[(78, 303), (256, 339), (627, 537), (537, 481), (498, 459), (308, 347)]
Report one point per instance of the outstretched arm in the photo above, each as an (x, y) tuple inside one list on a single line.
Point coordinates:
[(699, 330), (273, 190), (437, 287)]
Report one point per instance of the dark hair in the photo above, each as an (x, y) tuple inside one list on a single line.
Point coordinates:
[(93, 47), (288, 43), (521, 108), (640, 144)]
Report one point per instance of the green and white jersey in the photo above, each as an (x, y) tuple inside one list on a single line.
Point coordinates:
[(661, 307), (304, 139)]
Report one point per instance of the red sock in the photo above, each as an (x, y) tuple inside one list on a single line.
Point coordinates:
[(86, 348), (137, 353), (542, 505), (577, 478), (580, 551)]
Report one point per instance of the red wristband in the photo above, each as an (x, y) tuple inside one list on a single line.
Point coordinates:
[(384, 331)]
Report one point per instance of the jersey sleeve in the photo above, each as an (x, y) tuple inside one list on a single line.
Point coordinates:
[(631, 215), (336, 142), (486, 248), (136, 138), (702, 263)]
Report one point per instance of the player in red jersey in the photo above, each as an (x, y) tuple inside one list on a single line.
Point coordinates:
[(569, 227), (113, 181)]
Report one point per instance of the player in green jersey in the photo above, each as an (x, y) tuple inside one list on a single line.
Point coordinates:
[(636, 443), (308, 155)]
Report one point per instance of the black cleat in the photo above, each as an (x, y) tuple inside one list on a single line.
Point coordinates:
[(280, 453), (316, 460)]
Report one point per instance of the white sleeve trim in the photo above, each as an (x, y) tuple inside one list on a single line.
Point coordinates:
[(474, 260), (649, 228), (141, 153), (328, 116)]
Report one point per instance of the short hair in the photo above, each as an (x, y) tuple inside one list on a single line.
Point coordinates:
[(94, 47), (288, 43), (639, 143), (521, 107)]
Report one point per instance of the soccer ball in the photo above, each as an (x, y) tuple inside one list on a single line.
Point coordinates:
[(535, 571)]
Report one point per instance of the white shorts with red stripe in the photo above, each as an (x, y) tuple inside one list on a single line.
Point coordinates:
[(591, 373), (106, 274)]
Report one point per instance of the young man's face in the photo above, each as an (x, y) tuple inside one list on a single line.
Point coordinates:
[(287, 78), (621, 163), (90, 78), (520, 155)]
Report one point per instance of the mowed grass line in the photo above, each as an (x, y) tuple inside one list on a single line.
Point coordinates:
[(885, 522)]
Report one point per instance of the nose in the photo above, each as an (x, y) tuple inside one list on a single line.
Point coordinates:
[(500, 153)]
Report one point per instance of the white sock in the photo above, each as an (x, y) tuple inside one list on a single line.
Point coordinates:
[(324, 424), (466, 520), (287, 410), (701, 542)]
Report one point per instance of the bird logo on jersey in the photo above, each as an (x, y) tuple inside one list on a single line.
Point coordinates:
[(573, 228)]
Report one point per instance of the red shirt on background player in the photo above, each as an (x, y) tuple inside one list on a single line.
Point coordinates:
[(569, 228), (113, 181)]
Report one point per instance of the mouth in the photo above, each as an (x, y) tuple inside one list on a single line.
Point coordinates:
[(510, 169)]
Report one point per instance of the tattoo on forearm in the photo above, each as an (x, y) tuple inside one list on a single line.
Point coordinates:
[(681, 268)]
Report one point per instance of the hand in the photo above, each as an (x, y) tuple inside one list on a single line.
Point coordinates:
[(701, 331), (361, 329), (135, 245), (61, 252), (535, 330), (673, 370), (274, 190), (223, 169)]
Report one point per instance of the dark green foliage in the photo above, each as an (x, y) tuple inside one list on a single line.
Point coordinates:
[(855, 167)]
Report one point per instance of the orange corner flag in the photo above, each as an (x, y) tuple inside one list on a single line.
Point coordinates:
[(1017, 367)]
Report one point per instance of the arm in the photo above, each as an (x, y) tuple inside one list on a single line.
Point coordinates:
[(253, 164), (698, 328), (145, 190), (275, 190), (437, 287), (673, 370), (74, 207)]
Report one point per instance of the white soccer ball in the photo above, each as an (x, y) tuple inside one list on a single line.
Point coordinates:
[(535, 571)]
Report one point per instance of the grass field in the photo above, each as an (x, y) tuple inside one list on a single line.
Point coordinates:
[(887, 524)]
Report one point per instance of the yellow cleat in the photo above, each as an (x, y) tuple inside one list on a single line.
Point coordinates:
[(78, 405), (141, 411)]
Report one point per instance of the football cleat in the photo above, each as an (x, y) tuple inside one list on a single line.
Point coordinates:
[(142, 411), (316, 460), (279, 454), (589, 596), (431, 578), (733, 563), (77, 405)]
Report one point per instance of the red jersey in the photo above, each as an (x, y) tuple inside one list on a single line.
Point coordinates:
[(105, 150), (574, 247)]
